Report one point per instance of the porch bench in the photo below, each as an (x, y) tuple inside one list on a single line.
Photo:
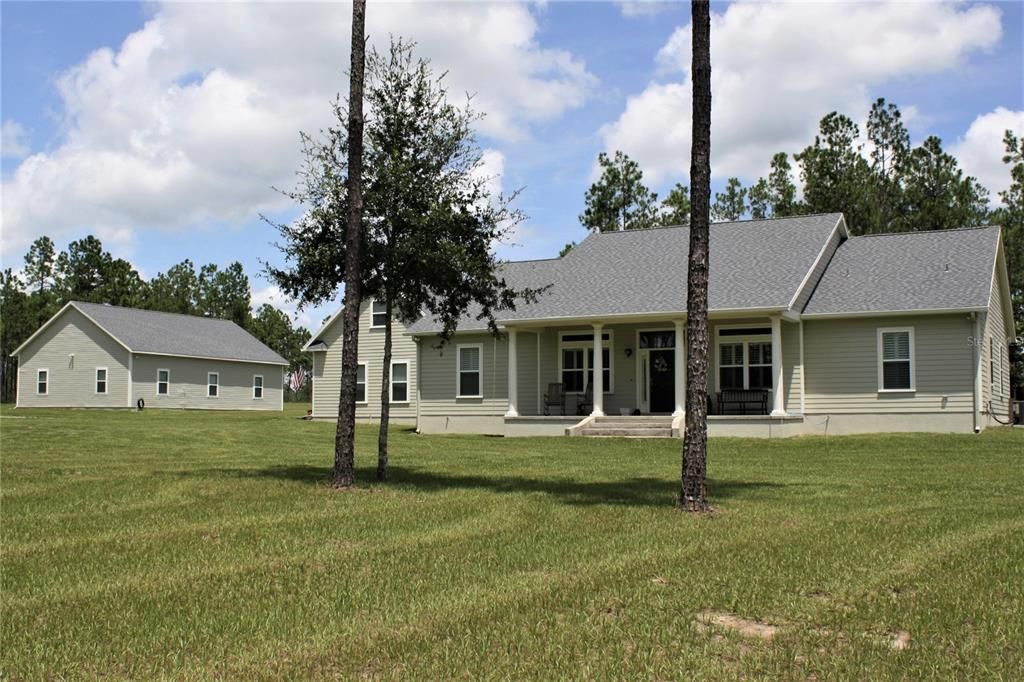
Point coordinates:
[(742, 398)]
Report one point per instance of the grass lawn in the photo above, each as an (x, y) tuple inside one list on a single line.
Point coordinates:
[(198, 545)]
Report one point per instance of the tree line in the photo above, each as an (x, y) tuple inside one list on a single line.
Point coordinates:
[(875, 177), (86, 272)]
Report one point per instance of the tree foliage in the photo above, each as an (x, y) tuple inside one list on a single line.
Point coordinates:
[(429, 221), (675, 208), (619, 200), (730, 204)]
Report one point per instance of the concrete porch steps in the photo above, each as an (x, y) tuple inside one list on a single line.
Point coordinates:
[(629, 427)]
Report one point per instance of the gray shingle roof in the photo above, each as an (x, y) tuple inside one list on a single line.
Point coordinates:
[(754, 264), (908, 271), (148, 331)]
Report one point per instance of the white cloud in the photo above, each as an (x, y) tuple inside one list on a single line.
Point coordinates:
[(492, 168), (14, 143), (191, 122), (307, 317), (980, 151), (643, 8), (777, 68)]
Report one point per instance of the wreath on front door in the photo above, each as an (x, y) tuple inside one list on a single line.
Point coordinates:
[(660, 364)]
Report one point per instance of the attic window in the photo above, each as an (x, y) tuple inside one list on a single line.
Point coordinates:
[(379, 314)]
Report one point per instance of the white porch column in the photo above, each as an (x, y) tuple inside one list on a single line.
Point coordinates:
[(598, 373), (680, 379), (513, 375), (779, 395)]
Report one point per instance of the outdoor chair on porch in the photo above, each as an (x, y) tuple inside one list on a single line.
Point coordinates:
[(555, 397), (586, 403)]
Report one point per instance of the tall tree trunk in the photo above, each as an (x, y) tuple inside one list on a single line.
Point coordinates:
[(693, 495), (385, 400), (345, 436)]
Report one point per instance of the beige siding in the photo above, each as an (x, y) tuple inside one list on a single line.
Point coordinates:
[(816, 273), (187, 388), (791, 368), (438, 389), (72, 382), (996, 384), (841, 359), (327, 369)]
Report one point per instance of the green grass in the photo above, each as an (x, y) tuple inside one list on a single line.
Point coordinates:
[(198, 545)]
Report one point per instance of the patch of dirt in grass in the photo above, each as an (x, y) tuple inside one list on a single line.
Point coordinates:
[(752, 629), (899, 640)]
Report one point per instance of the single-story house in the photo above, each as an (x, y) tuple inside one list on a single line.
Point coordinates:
[(811, 331), (93, 355)]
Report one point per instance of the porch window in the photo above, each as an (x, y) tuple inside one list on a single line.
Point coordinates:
[(730, 366), (744, 358), (576, 355), (896, 359), (399, 382), (759, 372), (573, 370), (470, 375), (658, 339)]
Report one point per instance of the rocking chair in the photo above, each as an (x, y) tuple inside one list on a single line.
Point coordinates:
[(555, 397)]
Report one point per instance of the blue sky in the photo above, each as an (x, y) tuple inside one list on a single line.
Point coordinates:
[(161, 127)]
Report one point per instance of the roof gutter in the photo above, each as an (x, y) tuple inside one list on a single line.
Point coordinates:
[(620, 318), (893, 313)]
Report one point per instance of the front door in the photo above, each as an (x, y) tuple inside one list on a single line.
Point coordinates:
[(662, 374)]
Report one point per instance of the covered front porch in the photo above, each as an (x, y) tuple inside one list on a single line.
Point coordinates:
[(570, 376), (637, 367)]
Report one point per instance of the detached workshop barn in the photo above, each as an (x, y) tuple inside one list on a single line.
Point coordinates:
[(94, 355)]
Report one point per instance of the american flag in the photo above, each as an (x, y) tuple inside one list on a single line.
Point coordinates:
[(298, 379)]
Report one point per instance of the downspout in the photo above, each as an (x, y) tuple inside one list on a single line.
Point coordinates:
[(976, 348), (419, 373)]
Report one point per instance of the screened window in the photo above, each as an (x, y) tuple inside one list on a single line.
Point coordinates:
[(212, 384), (101, 380), (759, 371), (42, 381), (360, 383), (399, 382), (730, 365), (379, 314), (257, 387), (573, 370), (470, 374), (897, 370), (163, 381)]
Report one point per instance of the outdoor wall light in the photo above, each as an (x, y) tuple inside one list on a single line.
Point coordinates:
[(629, 352)]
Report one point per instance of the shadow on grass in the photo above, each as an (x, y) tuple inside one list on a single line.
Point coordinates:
[(636, 491)]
